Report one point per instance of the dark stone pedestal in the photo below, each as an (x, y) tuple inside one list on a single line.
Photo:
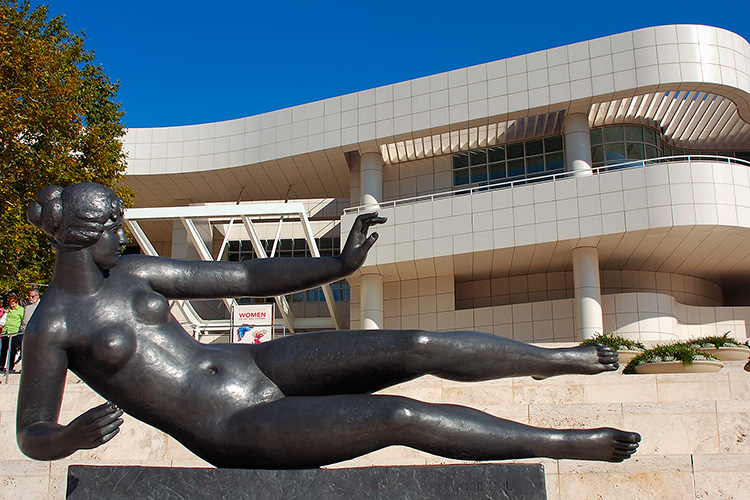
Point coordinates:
[(485, 481)]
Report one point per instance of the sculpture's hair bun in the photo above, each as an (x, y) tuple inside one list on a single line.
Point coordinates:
[(46, 212), (75, 216)]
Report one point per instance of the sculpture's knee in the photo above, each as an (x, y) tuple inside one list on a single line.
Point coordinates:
[(402, 413), (425, 344)]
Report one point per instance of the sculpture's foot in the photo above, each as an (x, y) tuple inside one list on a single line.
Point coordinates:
[(747, 366), (605, 444), (587, 359)]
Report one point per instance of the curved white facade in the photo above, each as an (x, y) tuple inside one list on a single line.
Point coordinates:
[(669, 239), (309, 143)]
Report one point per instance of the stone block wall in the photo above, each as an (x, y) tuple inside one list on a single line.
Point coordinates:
[(695, 428)]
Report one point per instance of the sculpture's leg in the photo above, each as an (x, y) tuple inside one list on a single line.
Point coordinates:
[(346, 362), (309, 432)]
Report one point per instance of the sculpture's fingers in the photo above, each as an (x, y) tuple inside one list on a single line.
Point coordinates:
[(363, 222), (104, 438), (96, 413), (378, 220), (369, 242), (110, 428), (104, 420)]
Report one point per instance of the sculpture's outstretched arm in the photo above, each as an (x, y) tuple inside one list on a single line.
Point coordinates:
[(39, 397), (257, 277)]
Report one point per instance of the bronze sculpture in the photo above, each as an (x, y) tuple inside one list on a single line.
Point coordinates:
[(301, 401)]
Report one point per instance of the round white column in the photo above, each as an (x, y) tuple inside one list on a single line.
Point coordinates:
[(588, 294), (371, 180), (371, 296), (371, 284), (577, 144)]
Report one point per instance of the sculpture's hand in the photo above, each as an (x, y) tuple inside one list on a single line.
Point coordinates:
[(358, 243), (94, 428)]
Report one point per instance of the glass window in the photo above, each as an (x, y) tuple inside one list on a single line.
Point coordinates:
[(613, 134), (742, 155), (530, 157), (515, 150), (460, 160), (534, 147), (534, 165), (597, 155), (496, 154), (633, 133), (614, 153), (554, 162), (596, 136), (478, 157), (516, 168), (461, 177), (552, 144), (478, 174), (652, 152), (649, 136), (636, 152), (497, 171)]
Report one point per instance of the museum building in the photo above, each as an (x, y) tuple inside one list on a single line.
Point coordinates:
[(602, 186)]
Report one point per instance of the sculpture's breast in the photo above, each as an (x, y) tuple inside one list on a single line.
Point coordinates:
[(151, 308), (112, 347)]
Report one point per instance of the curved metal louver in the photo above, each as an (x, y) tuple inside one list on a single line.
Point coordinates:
[(692, 120), (689, 119), (473, 138)]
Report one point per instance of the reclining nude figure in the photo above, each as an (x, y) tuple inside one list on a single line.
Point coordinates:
[(297, 402)]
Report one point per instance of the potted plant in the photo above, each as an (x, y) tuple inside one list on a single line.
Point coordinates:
[(626, 349), (677, 357), (724, 347)]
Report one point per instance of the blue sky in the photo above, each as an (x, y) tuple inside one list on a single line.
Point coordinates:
[(196, 62)]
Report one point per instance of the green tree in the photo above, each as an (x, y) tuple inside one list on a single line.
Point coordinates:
[(59, 124)]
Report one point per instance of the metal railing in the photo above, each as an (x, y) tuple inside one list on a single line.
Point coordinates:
[(522, 181)]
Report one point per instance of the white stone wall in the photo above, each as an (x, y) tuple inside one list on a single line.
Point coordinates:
[(694, 430), (428, 304)]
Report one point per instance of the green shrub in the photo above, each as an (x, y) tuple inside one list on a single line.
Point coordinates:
[(615, 341), (686, 352), (716, 342)]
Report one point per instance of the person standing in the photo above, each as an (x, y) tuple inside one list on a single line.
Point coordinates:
[(12, 325), (28, 310)]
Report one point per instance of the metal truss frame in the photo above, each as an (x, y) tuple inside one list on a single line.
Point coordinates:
[(248, 215)]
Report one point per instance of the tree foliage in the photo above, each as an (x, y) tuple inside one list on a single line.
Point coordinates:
[(59, 124)]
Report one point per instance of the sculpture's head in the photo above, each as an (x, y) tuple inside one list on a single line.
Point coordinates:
[(76, 216)]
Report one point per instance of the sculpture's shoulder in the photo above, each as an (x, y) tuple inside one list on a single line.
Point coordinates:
[(49, 323)]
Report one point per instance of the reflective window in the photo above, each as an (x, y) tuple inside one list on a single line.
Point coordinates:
[(622, 144), (532, 158)]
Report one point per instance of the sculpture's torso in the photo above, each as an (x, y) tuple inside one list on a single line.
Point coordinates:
[(123, 342)]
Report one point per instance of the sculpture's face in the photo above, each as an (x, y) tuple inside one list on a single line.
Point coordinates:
[(109, 247)]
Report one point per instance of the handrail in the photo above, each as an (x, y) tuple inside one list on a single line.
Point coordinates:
[(485, 186)]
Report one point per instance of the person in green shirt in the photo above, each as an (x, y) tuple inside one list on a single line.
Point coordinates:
[(12, 325)]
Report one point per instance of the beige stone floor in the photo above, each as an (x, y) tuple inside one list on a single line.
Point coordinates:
[(695, 428)]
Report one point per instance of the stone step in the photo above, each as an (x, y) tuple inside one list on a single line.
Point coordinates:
[(695, 430)]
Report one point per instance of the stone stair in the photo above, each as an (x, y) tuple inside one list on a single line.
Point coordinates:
[(695, 428)]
